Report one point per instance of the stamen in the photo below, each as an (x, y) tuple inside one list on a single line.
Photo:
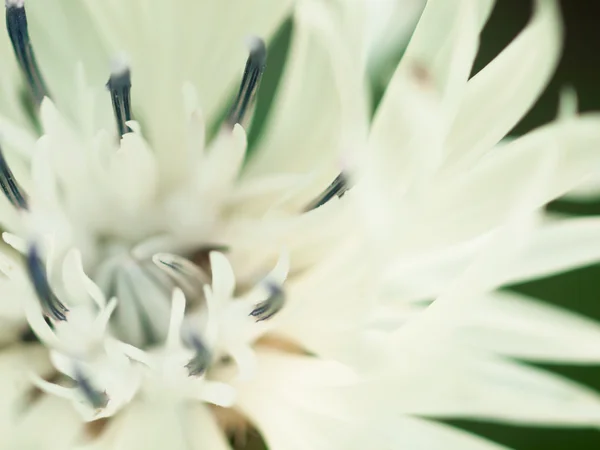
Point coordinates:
[(14, 193), (338, 188), (184, 272), (201, 361), (16, 24), (255, 66), (37, 273), (98, 399), (272, 305), (119, 85)]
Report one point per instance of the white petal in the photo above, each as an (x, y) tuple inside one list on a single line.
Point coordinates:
[(554, 247), (404, 153), (223, 278), (498, 96), (476, 385), (320, 109), (181, 37), (50, 416), (415, 433), (158, 426), (557, 247), (482, 198), (16, 363), (303, 405), (77, 283), (445, 42), (389, 26), (176, 319), (523, 327), (326, 316)]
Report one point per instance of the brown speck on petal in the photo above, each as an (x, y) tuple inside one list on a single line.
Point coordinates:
[(421, 75)]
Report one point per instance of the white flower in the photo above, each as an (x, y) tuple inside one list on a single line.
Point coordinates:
[(183, 290)]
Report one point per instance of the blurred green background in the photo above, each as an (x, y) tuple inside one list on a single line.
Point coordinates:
[(578, 290)]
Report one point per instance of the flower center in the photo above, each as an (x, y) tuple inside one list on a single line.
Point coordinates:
[(148, 315)]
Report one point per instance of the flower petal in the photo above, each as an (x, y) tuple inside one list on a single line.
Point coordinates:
[(554, 247), (47, 416), (161, 425), (445, 42), (519, 326), (321, 107), (475, 385), (16, 363), (172, 44), (301, 403), (413, 432), (482, 198), (498, 96)]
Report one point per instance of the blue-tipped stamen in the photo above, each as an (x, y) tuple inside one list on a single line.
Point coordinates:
[(255, 66), (272, 305), (98, 399), (201, 361), (13, 192), (16, 25), (119, 85), (337, 188), (51, 305)]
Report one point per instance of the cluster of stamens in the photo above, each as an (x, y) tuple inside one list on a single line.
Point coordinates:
[(182, 274)]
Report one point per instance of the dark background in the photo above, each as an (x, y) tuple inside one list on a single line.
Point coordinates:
[(577, 290)]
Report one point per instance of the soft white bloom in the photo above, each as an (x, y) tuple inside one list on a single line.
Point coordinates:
[(183, 289)]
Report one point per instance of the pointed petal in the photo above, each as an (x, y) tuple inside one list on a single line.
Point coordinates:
[(523, 327), (558, 246), (321, 109), (446, 41), (200, 42), (301, 403), (554, 247), (164, 425), (475, 385), (482, 198), (413, 432), (500, 95)]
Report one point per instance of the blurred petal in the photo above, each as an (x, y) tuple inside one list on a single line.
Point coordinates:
[(159, 426), (476, 385), (500, 95), (320, 111), (415, 433), (16, 363), (446, 41), (50, 424), (516, 325), (170, 46), (554, 247), (482, 198), (303, 403)]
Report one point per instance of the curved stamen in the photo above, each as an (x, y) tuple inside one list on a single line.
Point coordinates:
[(14, 193), (119, 85), (98, 399), (338, 188), (16, 25), (51, 305), (272, 305), (201, 361), (255, 66), (182, 271)]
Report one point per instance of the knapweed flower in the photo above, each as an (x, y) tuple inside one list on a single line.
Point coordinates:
[(167, 287)]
